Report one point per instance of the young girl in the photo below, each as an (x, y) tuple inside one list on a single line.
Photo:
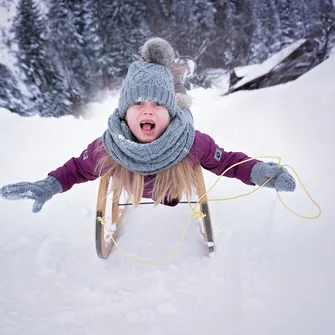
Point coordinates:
[(150, 147)]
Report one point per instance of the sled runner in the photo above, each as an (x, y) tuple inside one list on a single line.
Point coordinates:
[(207, 227), (104, 243)]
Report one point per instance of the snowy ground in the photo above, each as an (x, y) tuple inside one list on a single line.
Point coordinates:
[(273, 272)]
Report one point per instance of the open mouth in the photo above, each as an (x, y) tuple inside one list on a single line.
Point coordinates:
[(147, 126)]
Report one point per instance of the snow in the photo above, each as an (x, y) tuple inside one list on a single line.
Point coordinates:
[(273, 272), (242, 71), (254, 71), (219, 79)]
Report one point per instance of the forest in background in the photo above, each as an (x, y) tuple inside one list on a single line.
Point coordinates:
[(72, 52)]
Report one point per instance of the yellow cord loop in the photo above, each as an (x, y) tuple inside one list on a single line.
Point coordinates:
[(103, 222), (257, 188), (196, 214)]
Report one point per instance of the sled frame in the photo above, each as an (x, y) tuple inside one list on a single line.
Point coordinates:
[(103, 242), (204, 208)]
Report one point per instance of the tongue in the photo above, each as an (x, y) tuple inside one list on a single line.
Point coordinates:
[(147, 127)]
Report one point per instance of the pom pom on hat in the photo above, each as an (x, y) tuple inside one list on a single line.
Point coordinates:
[(159, 51)]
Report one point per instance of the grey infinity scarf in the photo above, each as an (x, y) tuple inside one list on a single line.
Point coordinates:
[(149, 158)]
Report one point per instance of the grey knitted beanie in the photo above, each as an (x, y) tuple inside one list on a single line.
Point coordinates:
[(150, 79)]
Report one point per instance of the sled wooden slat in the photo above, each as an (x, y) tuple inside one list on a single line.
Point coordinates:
[(206, 221)]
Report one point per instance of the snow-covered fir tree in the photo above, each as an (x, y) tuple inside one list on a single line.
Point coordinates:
[(93, 40), (124, 29), (194, 21), (41, 77), (66, 26), (10, 94)]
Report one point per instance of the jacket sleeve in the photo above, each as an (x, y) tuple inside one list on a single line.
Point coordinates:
[(80, 169), (215, 159)]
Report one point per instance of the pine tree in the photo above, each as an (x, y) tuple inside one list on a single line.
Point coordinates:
[(41, 77), (97, 38), (66, 20), (287, 24), (31, 55), (123, 29), (10, 95), (299, 14), (239, 35), (93, 40), (273, 27), (260, 47), (230, 34), (194, 21)]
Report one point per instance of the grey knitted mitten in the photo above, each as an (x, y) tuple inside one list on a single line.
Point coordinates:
[(281, 180), (40, 191)]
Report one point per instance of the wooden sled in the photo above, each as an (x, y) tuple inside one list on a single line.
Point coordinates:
[(104, 243)]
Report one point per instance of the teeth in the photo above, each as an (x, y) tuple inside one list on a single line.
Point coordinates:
[(152, 124)]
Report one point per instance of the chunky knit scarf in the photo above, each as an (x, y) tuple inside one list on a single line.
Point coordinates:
[(149, 158)]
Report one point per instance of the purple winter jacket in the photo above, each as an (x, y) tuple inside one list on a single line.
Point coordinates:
[(204, 151)]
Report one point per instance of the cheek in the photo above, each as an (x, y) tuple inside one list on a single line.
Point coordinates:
[(166, 118), (163, 122), (129, 118)]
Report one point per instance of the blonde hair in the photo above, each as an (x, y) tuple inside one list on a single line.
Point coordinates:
[(169, 184)]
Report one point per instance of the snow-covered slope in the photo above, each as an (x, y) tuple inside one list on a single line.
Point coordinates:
[(272, 274)]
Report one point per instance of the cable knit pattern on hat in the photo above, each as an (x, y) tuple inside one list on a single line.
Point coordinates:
[(147, 81)]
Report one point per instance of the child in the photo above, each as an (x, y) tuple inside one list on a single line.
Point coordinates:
[(150, 146)]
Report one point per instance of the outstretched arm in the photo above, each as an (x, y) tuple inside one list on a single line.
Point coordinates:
[(217, 160), (75, 171), (78, 170)]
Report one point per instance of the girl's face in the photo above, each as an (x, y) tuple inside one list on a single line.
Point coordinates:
[(147, 120)]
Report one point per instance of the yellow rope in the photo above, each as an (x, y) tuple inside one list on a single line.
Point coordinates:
[(196, 214), (257, 188), (103, 222)]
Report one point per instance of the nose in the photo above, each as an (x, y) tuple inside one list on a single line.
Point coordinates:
[(148, 108)]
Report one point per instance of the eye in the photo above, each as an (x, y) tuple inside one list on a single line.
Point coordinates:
[(138, 103), (158, 104)]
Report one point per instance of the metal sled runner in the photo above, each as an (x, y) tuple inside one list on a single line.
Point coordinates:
[(104, 243)]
